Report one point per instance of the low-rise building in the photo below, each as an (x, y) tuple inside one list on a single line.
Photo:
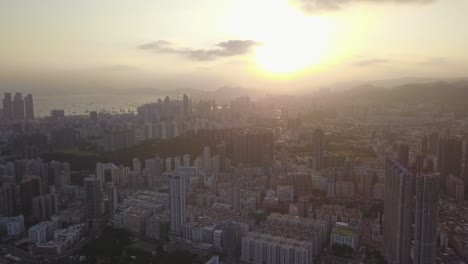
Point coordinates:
[(344, 234), (12, 226), (43, 231), (134, 219), (63, 239), (278, 249), (157, 226)]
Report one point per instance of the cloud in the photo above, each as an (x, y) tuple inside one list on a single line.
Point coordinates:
[(435, 61), (223, 49), (115, 68), (320, 6), (370, 62)]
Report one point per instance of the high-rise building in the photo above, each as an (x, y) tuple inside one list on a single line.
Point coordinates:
[(285, 193), (365, 182), (465, 172), (252, 147), (397, 212), (29, 106), (455, 187), (425, 231), (61, 173), (153, 171), (177, 162), (303, 206), (9, 199), (319, 148), (403, 154), (232, 235), (112, 196), (301, 181), (235, 198), (419, 164), (177, 201), (29, 188), (18, 107), (168, 164), (186, 160), (425, 145), (137, 165), (207, 165), (221, 150), (94, 198), (449, 160), (44, 206), (433, 144), (186, 106), (7, 111)]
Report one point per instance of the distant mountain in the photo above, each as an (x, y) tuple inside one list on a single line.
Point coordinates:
[(439, 92), (390, 83), (221, 95)]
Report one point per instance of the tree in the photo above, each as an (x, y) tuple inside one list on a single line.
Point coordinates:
[(342, 250)]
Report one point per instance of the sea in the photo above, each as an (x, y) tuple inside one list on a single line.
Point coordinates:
[(83, 104)]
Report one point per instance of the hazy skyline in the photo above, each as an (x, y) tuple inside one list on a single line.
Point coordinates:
[(277, 44)]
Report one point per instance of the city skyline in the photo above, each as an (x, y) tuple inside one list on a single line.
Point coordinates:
[(312, 184), (234, 132)]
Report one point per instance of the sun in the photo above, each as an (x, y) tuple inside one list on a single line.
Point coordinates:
[(291, 41), (289, 55)]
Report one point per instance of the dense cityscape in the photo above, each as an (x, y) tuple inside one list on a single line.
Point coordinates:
[(278, 179), (234, 132)]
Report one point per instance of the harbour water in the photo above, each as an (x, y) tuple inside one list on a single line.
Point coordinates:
[(83, 104)]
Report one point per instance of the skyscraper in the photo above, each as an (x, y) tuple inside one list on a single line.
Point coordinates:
[(29, 188), (319, 148), (403, 154), (465, 172), (419, 164), (449, 160), (207, 164), (186, 160), (425, 237), (252, 147), (18, 107), (153, 171), (186, 106), (7, 107), (397, 213), (425, 145), (29, 107), (9, 199), (235, 198), (94, 197), (137, 165), (112, 196), (303, 206), (168, 165), (177, 201), (433, 144), (44, 206)]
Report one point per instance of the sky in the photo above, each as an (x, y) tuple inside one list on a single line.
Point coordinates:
[(278, 45)]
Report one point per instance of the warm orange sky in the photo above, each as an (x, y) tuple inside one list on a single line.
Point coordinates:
[(271, 44)]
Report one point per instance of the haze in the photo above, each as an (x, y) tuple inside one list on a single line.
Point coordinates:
[(277, 45)]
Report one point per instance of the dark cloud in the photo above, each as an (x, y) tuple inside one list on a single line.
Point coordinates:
[(370, 62), (222, 49), (318, 6)]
